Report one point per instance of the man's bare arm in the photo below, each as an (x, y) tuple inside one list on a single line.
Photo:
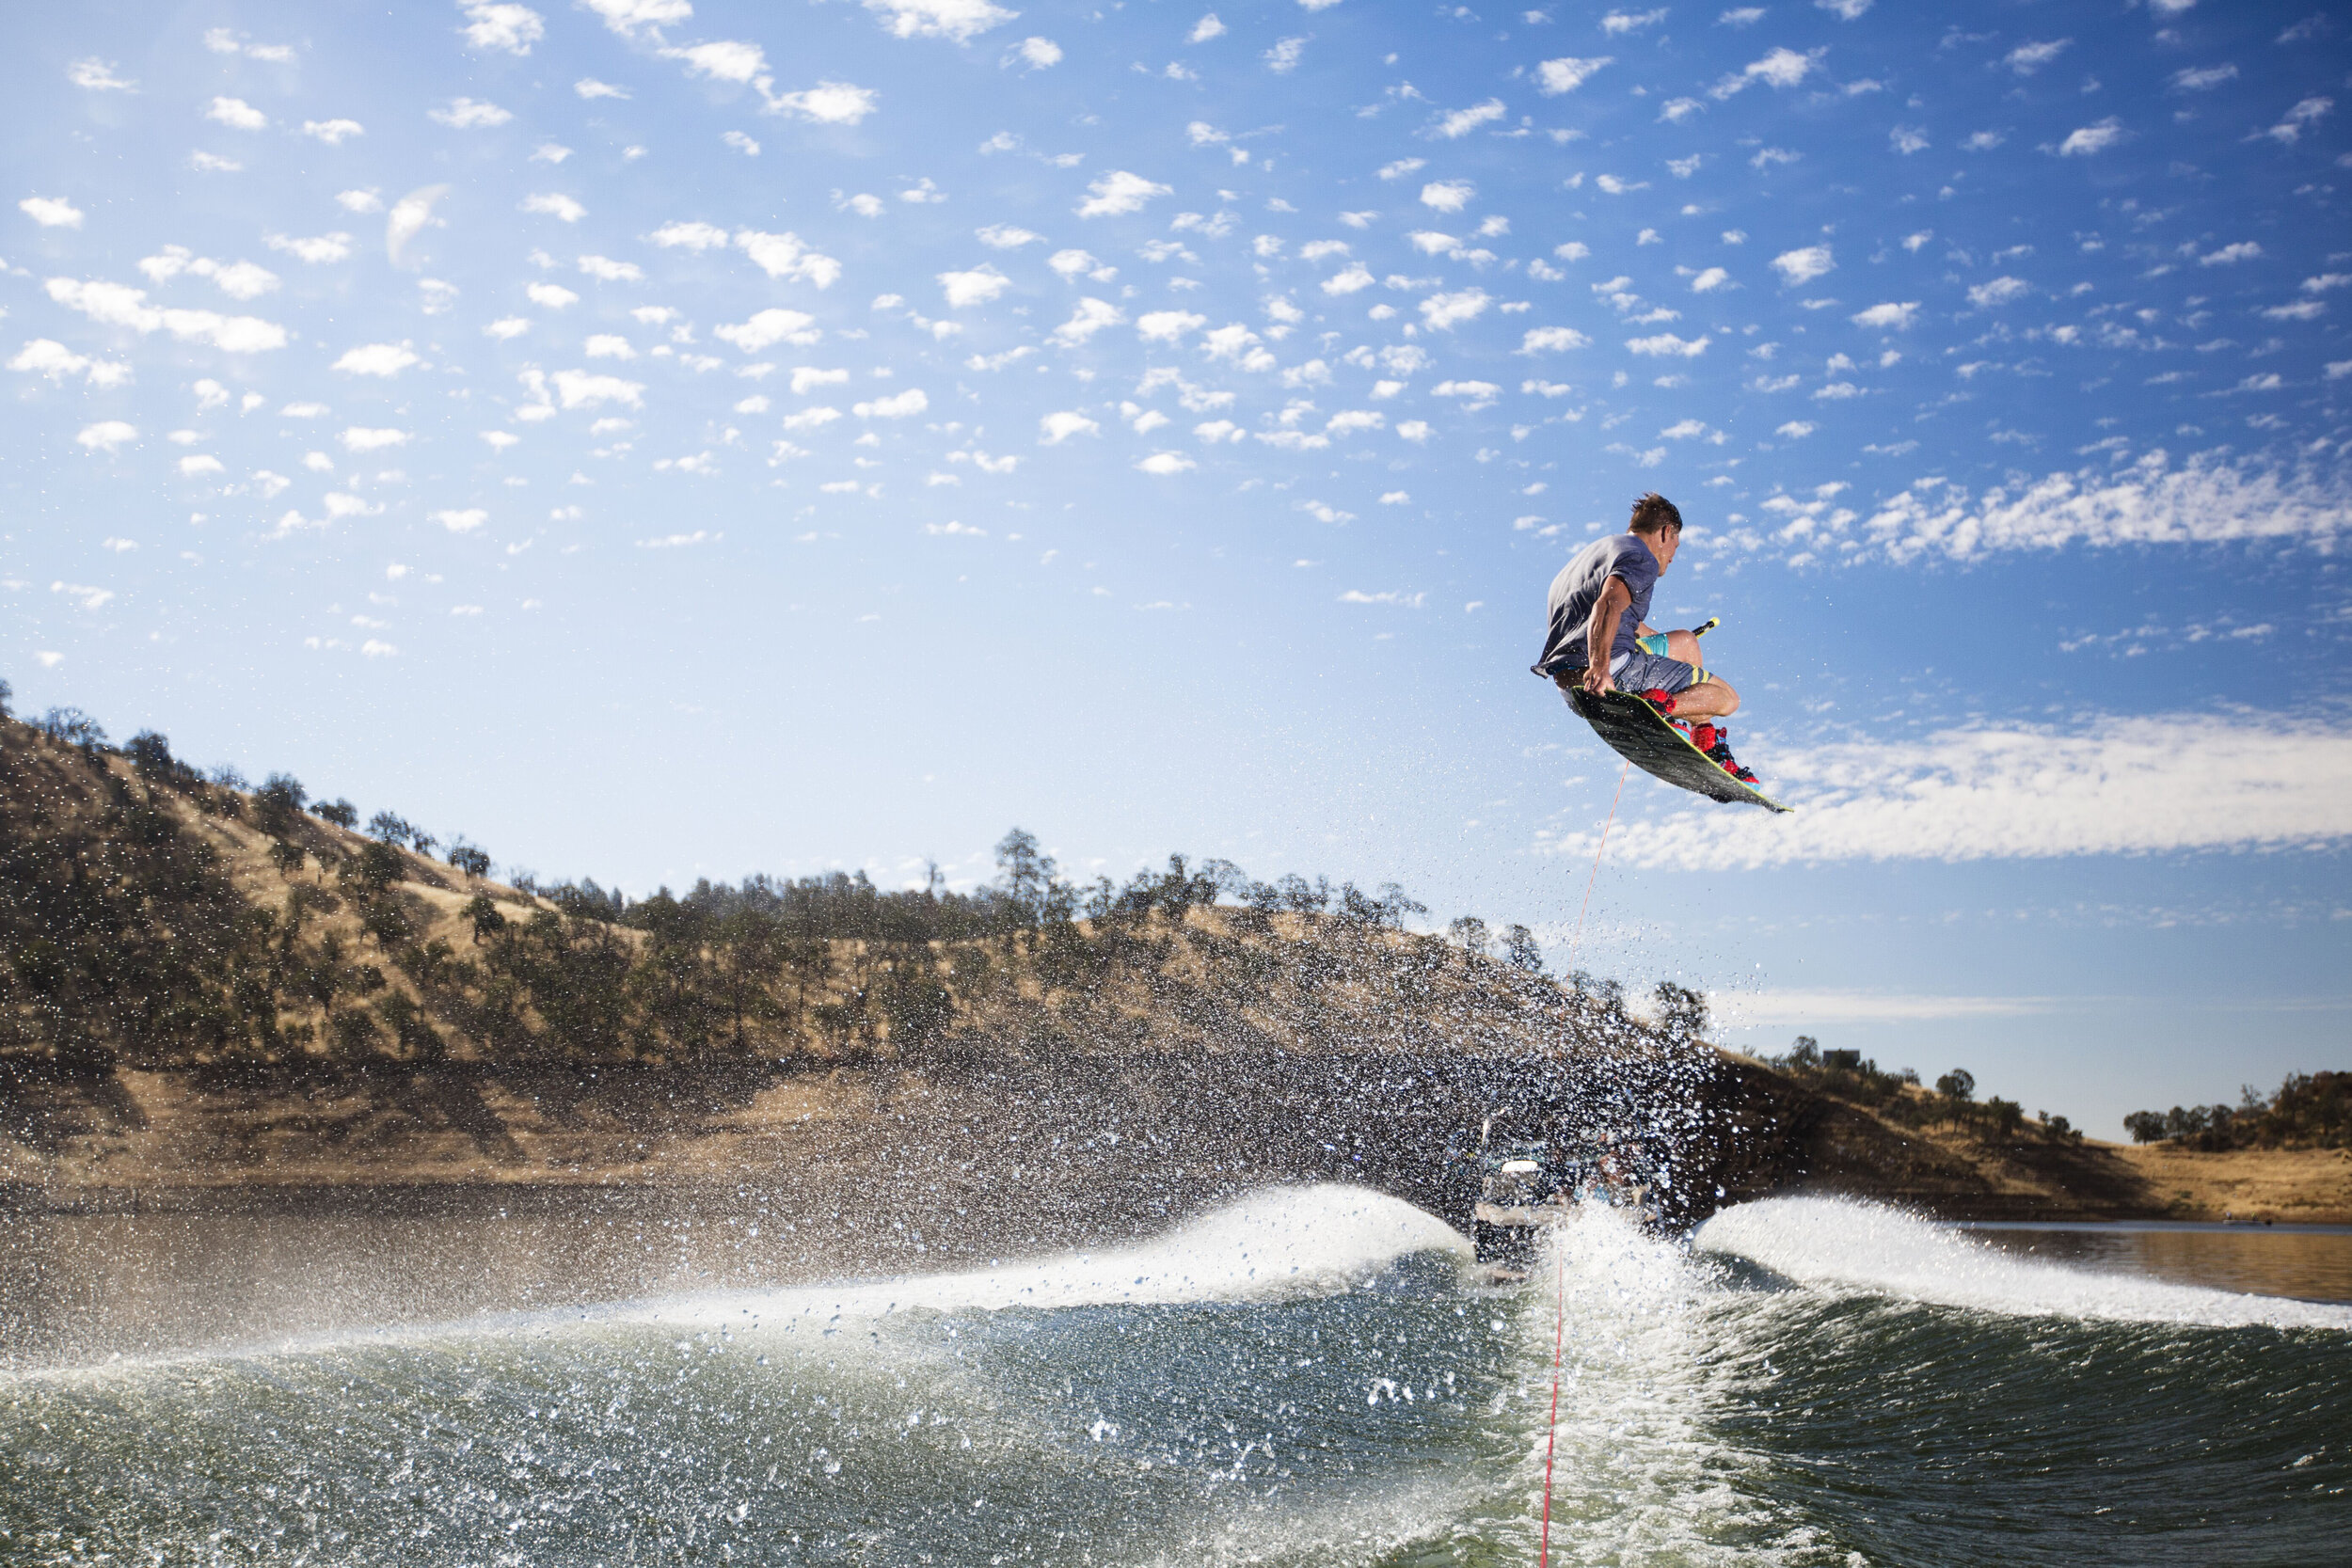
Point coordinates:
[(1600, 633)]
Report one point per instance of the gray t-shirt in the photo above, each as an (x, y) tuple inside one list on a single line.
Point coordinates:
[(1577, 588)]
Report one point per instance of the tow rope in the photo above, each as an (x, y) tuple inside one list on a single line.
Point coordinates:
[(1560, 1259)]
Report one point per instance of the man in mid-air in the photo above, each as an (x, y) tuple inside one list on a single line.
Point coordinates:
[(1600, 639)]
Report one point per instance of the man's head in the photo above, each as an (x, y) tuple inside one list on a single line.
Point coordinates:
[(1660, 526)]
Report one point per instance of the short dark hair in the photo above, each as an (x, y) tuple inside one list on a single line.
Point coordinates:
[(1654, 512)]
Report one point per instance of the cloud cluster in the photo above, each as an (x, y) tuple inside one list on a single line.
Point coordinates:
[(2106, 786)]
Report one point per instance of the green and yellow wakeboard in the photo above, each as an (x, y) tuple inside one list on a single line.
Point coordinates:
[(1641, 734)]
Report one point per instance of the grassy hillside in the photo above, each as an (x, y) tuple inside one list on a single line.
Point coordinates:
[(207, 984)]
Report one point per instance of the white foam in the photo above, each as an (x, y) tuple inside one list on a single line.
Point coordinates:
[(1279, 1242), (1846, 1243)]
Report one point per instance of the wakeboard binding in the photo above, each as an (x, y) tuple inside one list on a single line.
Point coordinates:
[(1711, 739)]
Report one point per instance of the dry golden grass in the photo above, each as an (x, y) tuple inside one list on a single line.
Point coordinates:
[(2309, 1185)]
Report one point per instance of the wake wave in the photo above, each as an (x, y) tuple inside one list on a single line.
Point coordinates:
[(1277, 1242), (1846, 1243)]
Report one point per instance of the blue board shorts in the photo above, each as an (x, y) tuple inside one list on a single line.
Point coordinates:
[(1643, 671)]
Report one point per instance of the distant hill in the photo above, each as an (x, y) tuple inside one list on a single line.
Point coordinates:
[(211, 985)]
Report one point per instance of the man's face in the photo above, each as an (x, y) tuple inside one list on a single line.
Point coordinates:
[(1664, 543)]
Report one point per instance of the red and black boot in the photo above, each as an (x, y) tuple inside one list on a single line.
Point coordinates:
[(1716, 742)]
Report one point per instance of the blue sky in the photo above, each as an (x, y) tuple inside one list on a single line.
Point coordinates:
[(662, 440)]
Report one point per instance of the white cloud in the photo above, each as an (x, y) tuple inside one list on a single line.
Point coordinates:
[(1354, 276), (1059, 427), (1283, 58), (807, 378), (1798, 1009), (1847, 10), (1712, 279), (1798, 267), (586, 389), (1166, 463), (588, 86), (1552, 339), (384, 360), (1005, 236), (507, 326), (1795, 430), (1038, 53), (511, 28), (692, 236), (334, 133), (608, 345), (2229, 255), (118, 305), (1398, 171), (1617, 23), (554, 204), (552, 296), (465, 113), (2146, 784), (2001, 291), (1779, 67), (361, 439), (783, 256), (2200, 79), (211, 163), (1091, 316), (605, 269), (1206, 28), (1386, 596), (1118, 192), (741, 142), (1461, 122), (899, 405), (1448, 196), (810, 419), (2091, 138), (49, 357), (959, 20), (771, 326), (360, 202), (722, 60), (97, 75), (237, 114), (1168, 326), (1890, 317), (2291, 126), (1443, 312), (2207, 499), (1567, 75), (460, 522), (105, 435), (977, 287), (51, 211), (827, 104), (631, 17), (1666, 345)]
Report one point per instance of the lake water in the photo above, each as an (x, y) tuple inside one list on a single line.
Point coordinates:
[(1308, 1375)]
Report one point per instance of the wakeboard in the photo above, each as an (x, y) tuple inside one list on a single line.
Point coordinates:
[(1642, 734)]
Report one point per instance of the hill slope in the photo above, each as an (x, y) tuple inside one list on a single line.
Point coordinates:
[(210, 988)]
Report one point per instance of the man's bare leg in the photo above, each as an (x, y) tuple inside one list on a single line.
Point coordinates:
[(1710, 699)]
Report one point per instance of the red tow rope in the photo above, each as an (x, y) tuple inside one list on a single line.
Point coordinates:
[(1560, 1299)]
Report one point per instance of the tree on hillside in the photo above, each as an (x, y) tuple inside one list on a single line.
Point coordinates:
[(279, 802), (342, 813), (1470, 933), (1521, 950), (72, 727), (1681, 1012), (388, 827), (1026, 872), (1958, 1087)]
